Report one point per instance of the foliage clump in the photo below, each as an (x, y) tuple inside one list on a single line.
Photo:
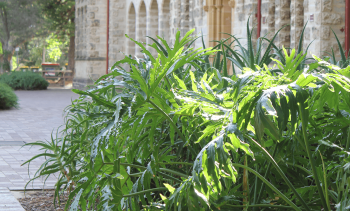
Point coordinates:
[(24, 80), (8, 98), (180, 132)]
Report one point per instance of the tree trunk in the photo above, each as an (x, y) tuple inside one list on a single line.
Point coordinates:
[(44, 55), (5, 65), (7, 57), (71, 54)]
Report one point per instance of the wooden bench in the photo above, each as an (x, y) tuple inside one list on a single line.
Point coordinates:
[(58, 76)]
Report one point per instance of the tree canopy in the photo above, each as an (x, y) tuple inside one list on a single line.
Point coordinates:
[(59, 16)]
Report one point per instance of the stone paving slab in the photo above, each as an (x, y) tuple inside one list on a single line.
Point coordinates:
[(14, 176), (39, 113), (8, 202)]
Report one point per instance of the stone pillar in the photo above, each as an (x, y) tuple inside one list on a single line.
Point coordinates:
[(117, 30), (152, 25), (165, 20), (90, 61), (175, 25), (141, 24), (268, 18), (131, 30), (297, 22), (185, 17), (282, 19), (219, 19), (239, 20)]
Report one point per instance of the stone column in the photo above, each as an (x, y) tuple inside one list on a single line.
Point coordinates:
[(268, 18), (90, 61), (152, 25), (297, 22), (165, 20), (282, 19), (141, 24), (175, 23), (118, 28), (218, 20), (185, 17), (131, 30), (239, 19), (212, 22)]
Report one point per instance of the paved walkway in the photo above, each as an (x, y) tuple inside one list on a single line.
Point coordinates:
[(39, 113)]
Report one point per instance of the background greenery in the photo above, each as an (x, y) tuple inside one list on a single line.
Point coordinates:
[(24, 80), (32, 26), (8, 98), (31, 53)]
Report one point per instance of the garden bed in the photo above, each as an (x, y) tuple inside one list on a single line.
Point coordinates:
[(40, 200)]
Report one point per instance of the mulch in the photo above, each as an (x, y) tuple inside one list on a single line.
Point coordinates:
[(42, 201)]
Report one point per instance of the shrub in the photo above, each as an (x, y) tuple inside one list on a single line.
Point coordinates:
[(169, 138), (8, 98), (24, 80)]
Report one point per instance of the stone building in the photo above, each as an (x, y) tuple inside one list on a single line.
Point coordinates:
[(95, 24)]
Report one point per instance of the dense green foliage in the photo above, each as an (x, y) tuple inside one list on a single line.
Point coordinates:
[(8, 98), (60, 17), (24, 80), (31, 52), (179, 133)]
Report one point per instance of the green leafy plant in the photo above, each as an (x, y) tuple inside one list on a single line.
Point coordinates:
[(8, 98), (344, 60), (24, 80), (166, 137)]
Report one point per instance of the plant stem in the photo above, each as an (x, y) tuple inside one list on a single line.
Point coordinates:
[(261, 205), (173, 172), (314, 172), (299, 166), (170, 177), (169, 119), (145, 191), (245, 183), (348, 140), (279, 170), (225, 64), (255, 187), (161, 169), (268, 184), (174, 163), (266, 172)]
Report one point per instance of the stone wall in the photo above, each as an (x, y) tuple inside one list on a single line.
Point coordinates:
[(328, 15), (320, 15), (90, 51), (141, 18)]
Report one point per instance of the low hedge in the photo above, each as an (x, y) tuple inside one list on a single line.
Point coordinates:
[(24, 80), (8, 98)]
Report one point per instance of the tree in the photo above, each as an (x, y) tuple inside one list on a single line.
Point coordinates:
[(60, 15), (20, 21), (56, 50)]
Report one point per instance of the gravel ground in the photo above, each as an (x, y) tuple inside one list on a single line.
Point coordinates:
[(42, 201)]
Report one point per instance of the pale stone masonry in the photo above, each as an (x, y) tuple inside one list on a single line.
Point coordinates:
[(141, 18)]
